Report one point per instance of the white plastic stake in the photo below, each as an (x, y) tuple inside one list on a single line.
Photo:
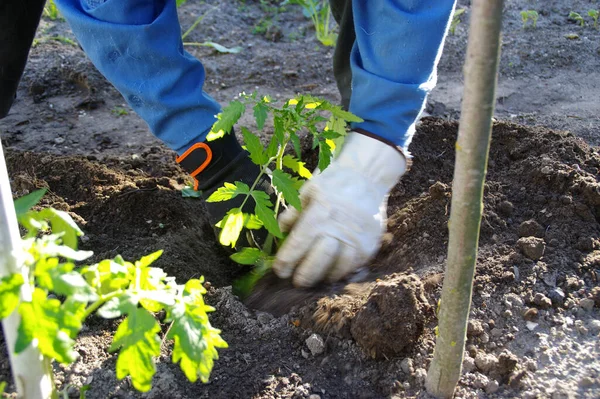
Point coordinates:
[(30, 376)]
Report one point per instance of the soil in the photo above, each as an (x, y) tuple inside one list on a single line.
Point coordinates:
[(535, 319)]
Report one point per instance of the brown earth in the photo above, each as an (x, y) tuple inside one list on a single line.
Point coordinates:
[(534, 323)]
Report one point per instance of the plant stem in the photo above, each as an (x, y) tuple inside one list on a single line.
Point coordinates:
[(103, 299), (472, 149), (196, 22)]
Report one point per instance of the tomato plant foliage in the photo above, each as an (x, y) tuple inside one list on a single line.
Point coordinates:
[(281, 160), (111, 288)]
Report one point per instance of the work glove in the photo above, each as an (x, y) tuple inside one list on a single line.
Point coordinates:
[(343, 213), (213, 163)]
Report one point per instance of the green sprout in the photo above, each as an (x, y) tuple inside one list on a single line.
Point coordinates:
[(320, 13), (51, 11), (119, 111), (577, 17), (456, 20), (594, 15), (526, 15)]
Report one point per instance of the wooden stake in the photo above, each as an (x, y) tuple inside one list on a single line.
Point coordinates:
[(472, 149)]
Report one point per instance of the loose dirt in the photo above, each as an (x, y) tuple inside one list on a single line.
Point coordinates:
[(535, 319)]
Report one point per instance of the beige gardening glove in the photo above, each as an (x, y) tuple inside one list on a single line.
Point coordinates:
[(343, 213)]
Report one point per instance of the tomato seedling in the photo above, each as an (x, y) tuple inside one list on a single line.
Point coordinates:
[(577, 17), (526, 15), (594, 15), (111, 288), (325, 122)]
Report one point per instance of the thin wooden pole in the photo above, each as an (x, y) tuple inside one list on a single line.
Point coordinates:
[(31, 378), (472, 150)]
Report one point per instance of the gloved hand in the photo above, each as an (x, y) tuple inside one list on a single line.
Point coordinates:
[(343, 213)]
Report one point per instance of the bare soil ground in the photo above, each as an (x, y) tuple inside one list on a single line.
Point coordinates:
[(535, 319)]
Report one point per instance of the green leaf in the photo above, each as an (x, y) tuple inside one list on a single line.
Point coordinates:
[(107, 276), (48, 245), (261, 111), (39, 320), (2, 387), (189, 192), (118, 306), (10, 287), (151, 279), (180, 2), (254, 147), (62, 280), (138, 341), (338, 112), (231, 227), (298, 167), (273, 147), (195, 340), (226, 119), (279, 132), (229, 191), (72, 314), (62, 223), (296, 143), (25, 203), (265, 213), (245, 284), (285, 184), (247, 256), (324, 155)]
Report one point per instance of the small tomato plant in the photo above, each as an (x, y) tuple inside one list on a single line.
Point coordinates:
[(111, 288), (526, 15), (325, 122), (594, 15), (577, 17)]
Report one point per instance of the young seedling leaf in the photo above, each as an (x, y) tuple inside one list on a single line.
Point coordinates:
[(338, 112), (296, 143), (231, 227), (324, 155), (25, 203), (118, 306), (195, 340), (226, 119), (39, 320), (297, 166), (62, 222), (107, 276), (138, 341), (254, 147), (247, 256), (62, 280), (147, 260), (285, 184), (261, 110), (273, 147), (264, 212), (229, 191), (10, 287)]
